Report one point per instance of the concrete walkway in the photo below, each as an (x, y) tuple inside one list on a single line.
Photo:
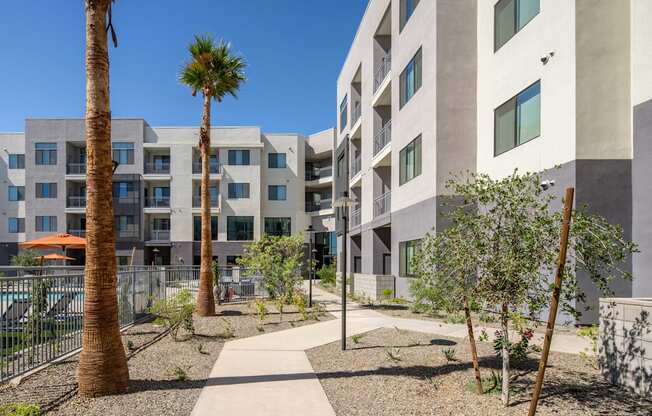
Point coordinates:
[(270, 374)]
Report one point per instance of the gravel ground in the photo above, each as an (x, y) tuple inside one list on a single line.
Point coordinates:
[(391, 372), (166, 377)]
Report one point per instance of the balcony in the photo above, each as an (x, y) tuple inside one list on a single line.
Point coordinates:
[(76, 168), (214, 168), (356, 217), (383, 137), (77, 233), (159, 235), (196, 202), (382, 204), (382, 70), (76, 202), (127, 233), (356, 112), (157, 168), (356, 166), (316, 173), (312, 206), (158, 202)]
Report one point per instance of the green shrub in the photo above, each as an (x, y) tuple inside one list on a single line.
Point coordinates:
[(260, 307), (327, 275), (175, 313), (449, 354), (20, 409), (590, 355), (300, 301)]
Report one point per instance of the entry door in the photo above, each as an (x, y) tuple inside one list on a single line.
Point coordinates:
[(387, 264), (357, 264)]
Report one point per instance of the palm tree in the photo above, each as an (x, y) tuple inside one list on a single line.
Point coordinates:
[(215, 72), (102, 363)]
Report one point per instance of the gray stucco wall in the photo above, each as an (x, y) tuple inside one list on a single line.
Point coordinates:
[(642, 199)]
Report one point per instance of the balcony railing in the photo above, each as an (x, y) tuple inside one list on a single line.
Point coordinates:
[(159, 202), (382, 70), (128, 198), (356, 165), (76, 202), (76, 168), (77, 233), (356, 112), (383, 137), (157, 168), (312, 206), (213, 168), (382, 204), (127, 233), (315, 174), (196, 202), (159, 235), (356, 217)]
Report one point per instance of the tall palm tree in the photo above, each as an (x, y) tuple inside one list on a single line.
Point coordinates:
[(102, 363), (214, 72)]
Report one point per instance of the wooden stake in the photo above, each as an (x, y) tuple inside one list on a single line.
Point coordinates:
[(474, 351), (554, 304)]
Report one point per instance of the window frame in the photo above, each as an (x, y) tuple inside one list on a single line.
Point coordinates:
[(403, 260), (16, 161), (275, 157), (123, 149), (48, 149), (232, 221), (517, 141), (196, 232), (273, 222), (233, 160), (515, 21), (404, 18), (19, 225), (418, 163), (344, 113), (417, 63), (19, 193), (234, 187), (40, 222), (52, 190), (272, 191)]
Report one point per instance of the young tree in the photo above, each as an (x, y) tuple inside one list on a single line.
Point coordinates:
[(26, 258), (214, 72), (102, 362), (279, 261)]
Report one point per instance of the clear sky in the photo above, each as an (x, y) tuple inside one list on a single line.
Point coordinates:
[(294, 48)]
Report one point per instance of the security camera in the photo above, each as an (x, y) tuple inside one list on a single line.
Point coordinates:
[(545, 185), (545, 58)]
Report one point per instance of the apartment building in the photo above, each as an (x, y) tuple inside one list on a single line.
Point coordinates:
[(259, 185), (433, 87)]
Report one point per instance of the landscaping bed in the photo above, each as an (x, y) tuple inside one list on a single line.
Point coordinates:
[(166, 376), (395, 372)]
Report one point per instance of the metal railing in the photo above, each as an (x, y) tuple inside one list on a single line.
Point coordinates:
[(383, 137), (76, 168), (356, 112), (382, 204), (356, 165), (196, 202), (312, 206), (159, 235), (42, 310), (315, 174), (158, 202), (356, 217), (212, 168), (382, 70), (76, 202), (157, 168), (127, 233)]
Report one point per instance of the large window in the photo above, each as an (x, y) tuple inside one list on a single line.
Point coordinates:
[(240, 228), (410, 161), (238, 157), (407, 250), (16, 225), (46, 190), (518, 120), (277, 192), (46, 223), (279, 226), (125, 226), (123, 153), (407, 8), (238, 190), (510, 16), (410, 79), (16, 193), (46, 153), (16, 161), (344, 109), (340, 166), (196, 228), (276, 160), (123, 189)]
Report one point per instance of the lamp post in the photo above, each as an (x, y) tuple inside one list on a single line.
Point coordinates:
[(345, 202), (310, 231)]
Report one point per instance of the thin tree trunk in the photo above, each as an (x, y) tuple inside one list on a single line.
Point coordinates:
[(205, 298), (102, 363), (505, 355), (474, 351)]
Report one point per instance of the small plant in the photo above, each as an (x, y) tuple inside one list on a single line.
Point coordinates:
[(483, 337), (357, 338), (201, 350), (179, 374), (520, 350), (432, 381), (279, 302), (20, 409), (318, 310), (387, 294), (228, 331), (175, 313), (449, 354), (456, 318), (590, 355), (394, 354), (130, 345), (491, 384), (260, 307), (299, 300)]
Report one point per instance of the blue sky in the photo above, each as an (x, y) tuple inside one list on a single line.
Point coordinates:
[(294, 48)]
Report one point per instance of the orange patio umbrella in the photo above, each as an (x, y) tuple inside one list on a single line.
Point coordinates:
[(55, 256), (56, 240)]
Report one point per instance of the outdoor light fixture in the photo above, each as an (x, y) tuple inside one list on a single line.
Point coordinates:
[(345, 203)]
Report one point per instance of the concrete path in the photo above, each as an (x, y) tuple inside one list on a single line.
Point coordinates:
[(270, 374)]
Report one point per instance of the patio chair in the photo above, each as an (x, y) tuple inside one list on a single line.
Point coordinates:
[(61, 306), (15, 313)]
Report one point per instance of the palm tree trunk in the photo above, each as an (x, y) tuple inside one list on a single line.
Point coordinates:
[(505, 355), (205, 299), (102, 363), (474, 351)]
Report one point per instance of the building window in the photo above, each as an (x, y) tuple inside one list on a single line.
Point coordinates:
[(410, 161), (344, 109), (238, 190), (277, 192), (407, 250), (278, 227), (238, 157), (196, 228), (123, 189), (16, 161), (125, 225), (46, 190), (122, 261), (407, 8), (16, 193), (518, 120), (276, 160), (123, 153), (340, 166), (240, 228), (510, 16), (16, 225), (46, 223), (410, 79), (46, 153)]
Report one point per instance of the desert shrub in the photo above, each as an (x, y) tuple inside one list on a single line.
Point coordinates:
[(20, 409), (449, 354), (260, 307), (327, 275), (175, 313), (301, 302), (590, 355)]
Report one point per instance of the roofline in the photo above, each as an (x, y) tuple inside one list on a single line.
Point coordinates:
[(11, 133), (357, 32)]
